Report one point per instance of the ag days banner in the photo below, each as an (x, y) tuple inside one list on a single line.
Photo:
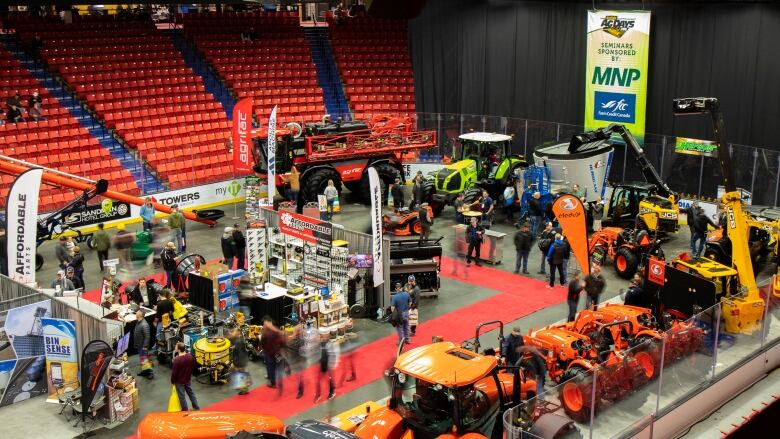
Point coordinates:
[(616, 70), (62, 365), (22, 225)]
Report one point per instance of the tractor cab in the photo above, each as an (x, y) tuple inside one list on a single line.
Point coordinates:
[(638, 205), (487, 150)]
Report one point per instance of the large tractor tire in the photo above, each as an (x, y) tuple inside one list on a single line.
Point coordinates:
[(577, 393), (647, 353), (387, 175), (415, 227), (626, 263), (316, 181), (472, 194)]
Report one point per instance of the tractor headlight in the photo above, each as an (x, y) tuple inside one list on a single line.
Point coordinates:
[(401, 377)]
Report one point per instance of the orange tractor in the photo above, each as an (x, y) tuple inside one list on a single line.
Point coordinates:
[(624, 247), (571, 359), (404, 222), (446, 390)]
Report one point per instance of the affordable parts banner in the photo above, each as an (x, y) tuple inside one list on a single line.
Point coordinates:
[(22, 225), (62, 365), (616, 70)]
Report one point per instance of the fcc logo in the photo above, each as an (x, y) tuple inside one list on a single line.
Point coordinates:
[(614, 107)]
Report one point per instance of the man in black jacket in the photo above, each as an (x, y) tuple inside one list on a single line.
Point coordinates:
[(142, 342), (700, 223), (556, 256), (535, 213), (398, 194), (240, 240), (474, 234), (523, 242), (690, 213), (425, 223), (546, 239), (510, 345), (418, 190), (594, 286)]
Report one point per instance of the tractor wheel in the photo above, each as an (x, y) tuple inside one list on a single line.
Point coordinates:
[(472, 194), (576, 393), (387, 175), (38, 261), (415, 227), (626, 263), (648, 354), (315, 183), (715, 255), (91, 242)]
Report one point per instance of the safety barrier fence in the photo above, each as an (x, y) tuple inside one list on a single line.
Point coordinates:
[(629, 392)]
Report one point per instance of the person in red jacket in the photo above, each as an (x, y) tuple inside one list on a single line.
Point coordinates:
[(181, 375)]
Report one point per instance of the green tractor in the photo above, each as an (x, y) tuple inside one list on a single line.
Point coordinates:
[(484, 161)]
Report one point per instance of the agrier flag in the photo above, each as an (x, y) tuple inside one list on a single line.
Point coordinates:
[(570, 213)]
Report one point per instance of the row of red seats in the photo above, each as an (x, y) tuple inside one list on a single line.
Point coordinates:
[(27, 35), (20, 82), (373, 64), (258, 51), (161, 92), (267, 44), (380, 80), (83, 149), (261, 62), (142, 123), (122, 66), (186, 103), (15, 136), (242, 22), (192, 148), (39, 126), (281, 86), (187, 111), (105, 48), (82, 42), (128, 74), (94, 59), (295, 97), (376, 72), (170, 81), (211, 127), (194, 144), (210, 175), (379, 89)]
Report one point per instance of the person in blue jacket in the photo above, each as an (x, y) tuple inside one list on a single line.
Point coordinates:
[(147, 214), (555, 256)]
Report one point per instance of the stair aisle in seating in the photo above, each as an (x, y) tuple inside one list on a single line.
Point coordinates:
[(327, 72), (144, 179)]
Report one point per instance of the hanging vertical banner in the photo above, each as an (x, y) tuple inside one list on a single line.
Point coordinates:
[(570, 213), (242, 136), (62, 365), (95, 359), (272, 156), (376, 224), (616, 70), (22, 225)]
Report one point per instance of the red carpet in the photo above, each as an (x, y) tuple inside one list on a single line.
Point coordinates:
[(518, 296)]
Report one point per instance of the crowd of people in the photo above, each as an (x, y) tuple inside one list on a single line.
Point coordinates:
[(18, 110)]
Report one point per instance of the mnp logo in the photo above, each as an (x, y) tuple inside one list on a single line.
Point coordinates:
[(616, 26), (614, 107)]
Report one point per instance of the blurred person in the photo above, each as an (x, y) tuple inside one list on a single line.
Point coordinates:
[(414, 318), (310, 342), (577, 192), (293, 182), (523, 241), (573, 296), (240, 360), (509, 200), (147, 214), (15, 100), (272, 341), (594, 286), (176, 223), (182, 367), (532, 360), (168, 260), (161, 234), (228, 246), (418, 191), (425, 223), (77, 263), (36, 112), (555, 257), (14, 114), (62, 252), (598, 213), (329, 360), (142, 342), (123, 241), (64, 283), (566, 257), (102, 244), (459, 205), (240, 242), (700, 223)]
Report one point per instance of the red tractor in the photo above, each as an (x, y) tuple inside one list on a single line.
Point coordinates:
[(624, 247), (341, 152)]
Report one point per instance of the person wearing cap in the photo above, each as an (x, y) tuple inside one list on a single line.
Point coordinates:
[(228, 247), (176, 223), (240, 241), (64, 283), (425, 223), (413, 289), (70, 274), (510, 346)]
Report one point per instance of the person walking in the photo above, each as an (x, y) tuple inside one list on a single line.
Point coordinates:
[(181, 376), (425, 223), (329, 360), (573, 297), (700, 223), (331, 194), (474, 234), (62, 252), (555, 256), (598, 213), (594, 286), (523, 240), (123, 241), (399, 305), (228, 247), (398, 194), (147, 214), (176, 223), (240, 359), (272, 342), (102, 244), (310, 343), (535, 213), (546, 239), (142, 341), (690, 213), (240, 240), (168, 259)]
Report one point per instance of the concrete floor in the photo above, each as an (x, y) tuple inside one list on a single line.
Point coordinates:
[(29, 416)]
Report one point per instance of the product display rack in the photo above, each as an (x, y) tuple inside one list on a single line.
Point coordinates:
[(253, 197), (257, 255)]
